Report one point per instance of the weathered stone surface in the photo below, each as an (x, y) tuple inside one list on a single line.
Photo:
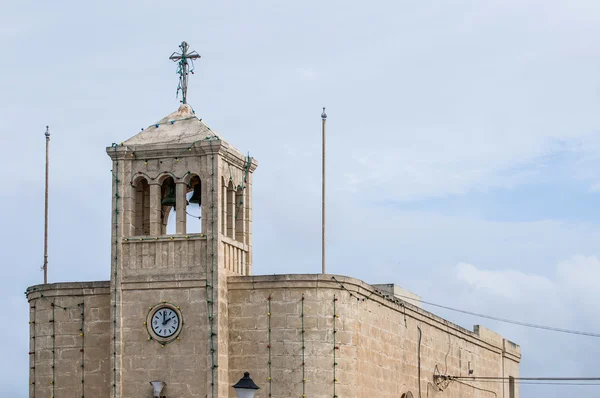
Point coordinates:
[(377, 339), (72, 333)]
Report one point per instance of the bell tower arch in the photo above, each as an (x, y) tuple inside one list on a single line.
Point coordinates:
[(177, 163), (180, 164)]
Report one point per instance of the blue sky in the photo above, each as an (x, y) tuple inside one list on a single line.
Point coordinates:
[(463, 147), (558, 200)]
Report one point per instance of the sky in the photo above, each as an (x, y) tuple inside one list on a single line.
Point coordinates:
[(463, 148)]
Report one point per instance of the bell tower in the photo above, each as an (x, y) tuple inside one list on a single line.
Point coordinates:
[(176, 167)]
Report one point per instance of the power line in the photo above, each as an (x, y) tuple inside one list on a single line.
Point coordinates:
[(493, 378), (526, 324), (559, 384), (543, 381), (520, 323), (533, 383)]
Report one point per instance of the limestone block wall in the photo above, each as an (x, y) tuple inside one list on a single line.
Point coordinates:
[(183, 363), (321, 337), (69, 339), (163, 258), (512, 357), (190, 365)]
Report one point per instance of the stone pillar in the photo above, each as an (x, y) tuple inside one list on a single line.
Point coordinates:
[(155, 208), (180, 208), (146, 212), (129, 211)]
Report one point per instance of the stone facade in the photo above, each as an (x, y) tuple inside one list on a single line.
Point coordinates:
[(373, 340), (70, 344), (298, 335)]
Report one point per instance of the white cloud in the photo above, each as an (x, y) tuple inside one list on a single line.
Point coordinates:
[(511, 284), (567, 299)]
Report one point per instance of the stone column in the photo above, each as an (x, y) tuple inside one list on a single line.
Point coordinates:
[(129, 211), (180, 208), (155, 208)]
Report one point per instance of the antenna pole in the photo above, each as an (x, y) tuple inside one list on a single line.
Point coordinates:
[(324, 122), (46, 209)]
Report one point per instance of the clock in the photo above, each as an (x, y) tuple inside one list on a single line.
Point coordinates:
[(164, 322)]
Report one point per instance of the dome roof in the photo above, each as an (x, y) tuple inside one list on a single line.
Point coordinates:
[(179, 127)]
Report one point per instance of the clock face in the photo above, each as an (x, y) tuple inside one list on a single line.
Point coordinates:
[(165, 322)]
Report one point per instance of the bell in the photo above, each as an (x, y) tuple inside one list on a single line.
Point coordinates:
[(196, 198), (169, 199)]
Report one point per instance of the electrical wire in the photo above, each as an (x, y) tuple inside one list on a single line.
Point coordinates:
[(559, 384), (492, 378), (542, 383), (549, 381), (193, 215), (520, 323), (475, 387)]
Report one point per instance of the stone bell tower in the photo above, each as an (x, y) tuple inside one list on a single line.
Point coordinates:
[(177, 163)]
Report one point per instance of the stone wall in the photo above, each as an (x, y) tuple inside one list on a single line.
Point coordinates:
[(368, 343), (182, 364), (296, 334), (70, 328)]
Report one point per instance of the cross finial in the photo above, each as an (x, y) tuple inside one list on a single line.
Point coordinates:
[(183, 60)]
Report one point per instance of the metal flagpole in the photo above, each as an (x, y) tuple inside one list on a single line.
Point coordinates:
[(324, 122), (46, 210)]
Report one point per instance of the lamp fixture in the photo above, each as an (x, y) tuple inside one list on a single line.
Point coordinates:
[(158, 387), (245, 388)]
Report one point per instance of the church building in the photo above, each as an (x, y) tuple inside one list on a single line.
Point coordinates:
[(185, 309)]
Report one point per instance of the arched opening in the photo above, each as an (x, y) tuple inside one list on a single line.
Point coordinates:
[(223, 225), (141, 208), (167, 202), (194, 206), (231, 210), (240, 215)]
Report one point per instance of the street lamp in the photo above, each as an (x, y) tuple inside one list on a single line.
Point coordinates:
[(245, 388)]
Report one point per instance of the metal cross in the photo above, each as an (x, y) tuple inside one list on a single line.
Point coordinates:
[(183, 67)]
